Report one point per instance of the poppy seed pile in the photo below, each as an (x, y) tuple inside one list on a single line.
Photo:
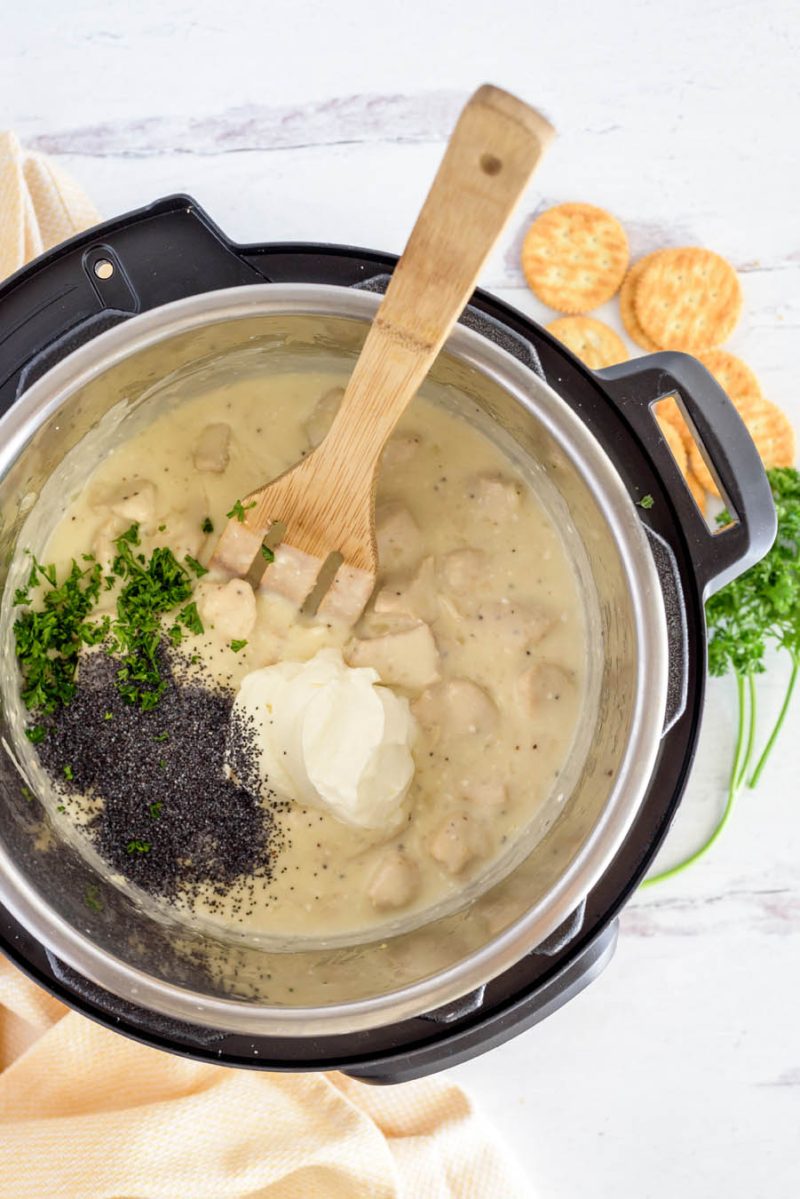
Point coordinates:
[(168, 816)]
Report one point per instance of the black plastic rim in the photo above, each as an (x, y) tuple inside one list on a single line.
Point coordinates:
[(191, 256)]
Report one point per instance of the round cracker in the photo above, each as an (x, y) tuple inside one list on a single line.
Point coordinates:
[(697, 490), (734, 376), (771, 431), (593, 342), (668, 410), (688, 299), (678, 446), (675, 443), (574, 257), (627, 308)]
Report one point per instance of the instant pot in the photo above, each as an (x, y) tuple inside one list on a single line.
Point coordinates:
[(91, 328)]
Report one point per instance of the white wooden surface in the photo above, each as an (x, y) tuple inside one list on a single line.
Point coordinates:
[(678, 1072)]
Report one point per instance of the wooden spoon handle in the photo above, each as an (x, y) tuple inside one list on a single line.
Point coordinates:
[(492, 154)]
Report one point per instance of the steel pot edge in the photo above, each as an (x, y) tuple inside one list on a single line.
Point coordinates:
[(43, 399)]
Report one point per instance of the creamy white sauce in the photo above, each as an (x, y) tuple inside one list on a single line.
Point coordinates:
[(476, 624)]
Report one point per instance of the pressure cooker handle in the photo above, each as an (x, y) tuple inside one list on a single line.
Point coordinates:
[(128, 265), (722, 437)]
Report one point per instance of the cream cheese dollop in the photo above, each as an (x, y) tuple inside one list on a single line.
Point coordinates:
[(329, 736)]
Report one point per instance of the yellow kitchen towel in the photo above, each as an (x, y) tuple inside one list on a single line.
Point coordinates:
[(40, 206), (87, 1114)]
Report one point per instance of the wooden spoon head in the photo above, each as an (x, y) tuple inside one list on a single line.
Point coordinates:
[(324, 509)]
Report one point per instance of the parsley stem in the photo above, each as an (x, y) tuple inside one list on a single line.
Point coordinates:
[(733, 789), (787, 699), (751, 729)]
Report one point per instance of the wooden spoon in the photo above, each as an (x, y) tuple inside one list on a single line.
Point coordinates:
[(325, 505)]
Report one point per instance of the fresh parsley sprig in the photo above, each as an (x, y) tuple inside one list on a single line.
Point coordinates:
[(239, 509), (759, 610)]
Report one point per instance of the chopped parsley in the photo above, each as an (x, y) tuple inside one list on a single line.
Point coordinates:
[(161, 737), (155, 809), (130, 535), (267, 554), (191, 618), (138, 847), (195, 566), (35, 733), (237, 645), (68, 773), (238, 510), (150, 589), (49, 639), (646, 501), (208, 525)]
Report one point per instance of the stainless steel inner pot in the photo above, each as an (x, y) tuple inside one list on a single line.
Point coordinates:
[(160, 962)]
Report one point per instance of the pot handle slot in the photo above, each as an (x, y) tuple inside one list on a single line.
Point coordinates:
[(718, 555), (128, 265)]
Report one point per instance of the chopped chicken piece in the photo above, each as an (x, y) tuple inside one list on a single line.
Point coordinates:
[(498, 497), (395, 881), (463, 570), (292, 574), (519, 625), (457, 707), (212, 449), (347, 596), (408, 658), (374, 624), (414, 596), (455, 844), (236, 549), (399, 542), (543, 683), (133, 501), (400, 449), (321, 418), (229, 609)]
